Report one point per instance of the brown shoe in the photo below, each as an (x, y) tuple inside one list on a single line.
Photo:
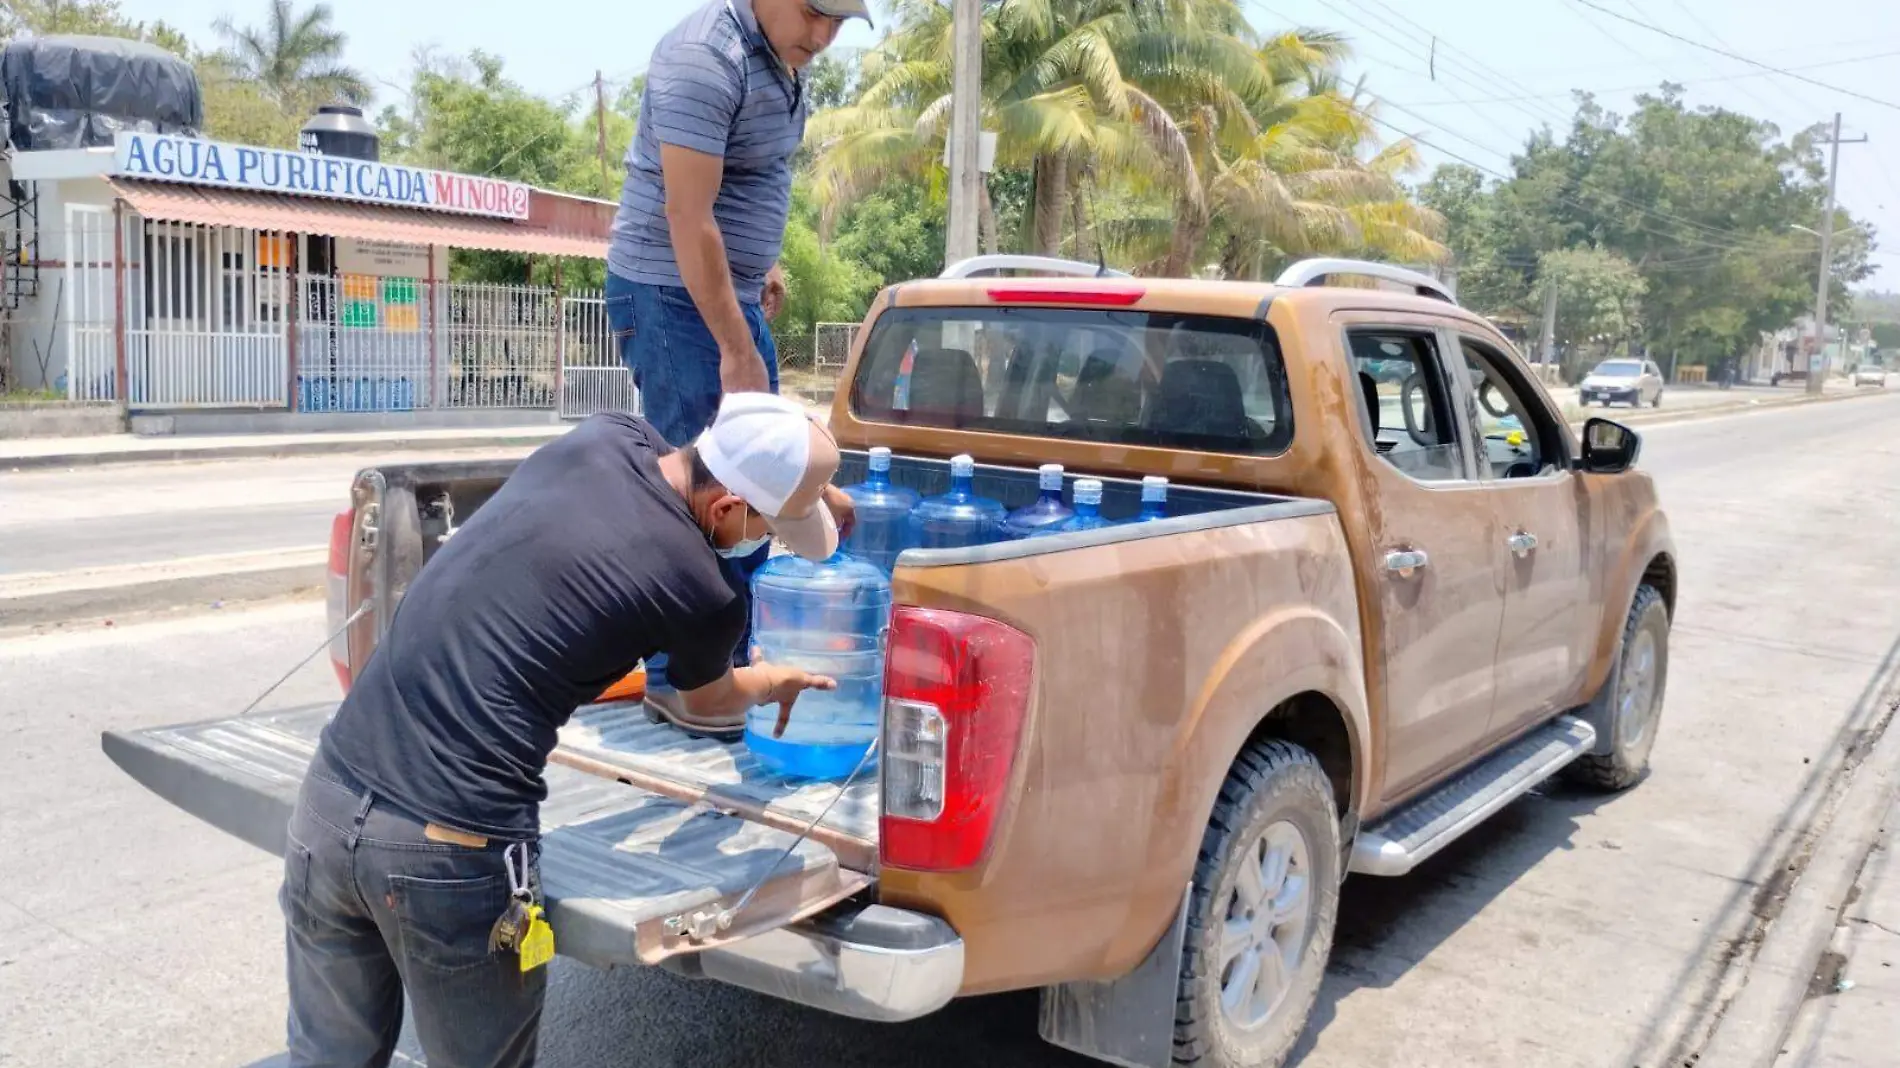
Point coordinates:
[(667, 706)]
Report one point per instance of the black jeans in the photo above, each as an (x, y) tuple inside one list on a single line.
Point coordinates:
[(376, 909)]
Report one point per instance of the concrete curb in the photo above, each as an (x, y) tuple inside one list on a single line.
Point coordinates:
[(272, 450), (56, 597), (1659, 417), (1757, 1022)]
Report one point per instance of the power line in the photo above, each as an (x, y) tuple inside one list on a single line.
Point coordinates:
[(1747, 90), (1471, 60), (1652, 85), (1592, 4)]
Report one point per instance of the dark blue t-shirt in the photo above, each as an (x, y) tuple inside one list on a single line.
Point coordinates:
[(585, 562)]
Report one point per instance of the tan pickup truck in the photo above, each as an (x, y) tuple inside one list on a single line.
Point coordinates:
[(1130, 766)]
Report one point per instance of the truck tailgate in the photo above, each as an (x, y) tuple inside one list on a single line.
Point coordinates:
[(627, 872)]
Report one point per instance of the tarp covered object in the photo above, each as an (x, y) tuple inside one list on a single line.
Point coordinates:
[(79, 92)]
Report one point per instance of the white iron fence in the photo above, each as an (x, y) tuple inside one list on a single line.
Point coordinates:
[(592, 377)]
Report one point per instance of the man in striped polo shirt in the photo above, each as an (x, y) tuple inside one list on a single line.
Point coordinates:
[(693, 275)]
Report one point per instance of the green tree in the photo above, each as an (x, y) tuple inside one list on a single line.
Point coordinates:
[(296, 57), (1599, 297)]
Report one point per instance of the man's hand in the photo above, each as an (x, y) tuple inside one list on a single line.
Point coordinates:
[(772, 298), (784, 684), (743, 371), (843, 509)]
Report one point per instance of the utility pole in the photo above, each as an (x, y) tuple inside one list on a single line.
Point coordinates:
[(1547, 346), (1817, 364), (600, 122), (966, 126)]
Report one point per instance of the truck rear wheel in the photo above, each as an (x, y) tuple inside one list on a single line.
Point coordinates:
[(1635, 690), (1260, 919)]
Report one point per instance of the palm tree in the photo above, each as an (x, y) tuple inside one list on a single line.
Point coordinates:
[(296, 57)]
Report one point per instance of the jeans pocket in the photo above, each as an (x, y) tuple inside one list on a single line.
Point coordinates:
[(445, 923), (293, 897)]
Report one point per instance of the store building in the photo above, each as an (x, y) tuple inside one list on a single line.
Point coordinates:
[(177, 275)]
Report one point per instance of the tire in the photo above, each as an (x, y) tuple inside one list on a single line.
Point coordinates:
[(1657, 403), (1276, 803), (1635, 689)]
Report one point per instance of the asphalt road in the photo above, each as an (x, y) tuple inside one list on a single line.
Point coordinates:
[(1571, 930)]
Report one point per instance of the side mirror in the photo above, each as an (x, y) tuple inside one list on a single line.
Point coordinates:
[(1609, 448)]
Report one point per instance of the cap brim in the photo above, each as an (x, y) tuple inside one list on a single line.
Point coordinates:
[(813, 535), (843, 10)]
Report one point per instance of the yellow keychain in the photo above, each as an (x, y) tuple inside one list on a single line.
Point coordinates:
[(537, 942)]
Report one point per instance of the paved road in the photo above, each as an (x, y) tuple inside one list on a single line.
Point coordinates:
[(1572, 930), (148, 513)]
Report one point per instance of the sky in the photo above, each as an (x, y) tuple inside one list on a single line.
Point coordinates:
[(1470, 78)]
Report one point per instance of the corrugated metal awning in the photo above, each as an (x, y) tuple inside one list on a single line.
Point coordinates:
[(167, 202)]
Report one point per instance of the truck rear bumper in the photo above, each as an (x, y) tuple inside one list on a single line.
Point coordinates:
[(872, 963)]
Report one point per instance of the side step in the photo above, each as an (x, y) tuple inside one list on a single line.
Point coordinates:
[(1425, 825)]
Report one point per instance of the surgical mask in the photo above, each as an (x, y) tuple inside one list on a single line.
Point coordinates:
[(745, 548)]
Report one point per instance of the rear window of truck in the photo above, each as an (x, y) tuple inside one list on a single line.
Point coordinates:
[(1123, 377)]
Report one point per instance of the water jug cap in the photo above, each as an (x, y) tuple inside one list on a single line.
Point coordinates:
[(1088, 491), (1051, 476), (881, 458), (962, 466), (1154, 488)]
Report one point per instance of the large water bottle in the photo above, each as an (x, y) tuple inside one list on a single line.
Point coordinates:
[(959, 517), (883, 528), (1088, 509), (827, 618), (1047, 511), (1154, 499)]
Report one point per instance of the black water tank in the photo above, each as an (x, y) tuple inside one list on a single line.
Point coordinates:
[(341, 130), (66, 92)]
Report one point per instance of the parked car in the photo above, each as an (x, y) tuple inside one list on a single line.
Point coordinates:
[(1625, 381), (1870, 373), (1128, 766)]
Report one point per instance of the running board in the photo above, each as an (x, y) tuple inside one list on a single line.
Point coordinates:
[(1401, 841)]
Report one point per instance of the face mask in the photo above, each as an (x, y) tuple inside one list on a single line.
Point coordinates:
[(744, 548)]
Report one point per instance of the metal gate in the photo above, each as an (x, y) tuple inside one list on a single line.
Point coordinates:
[(592, 377), (92, 306)]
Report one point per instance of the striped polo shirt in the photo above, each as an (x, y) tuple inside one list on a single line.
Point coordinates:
[(714, 86)]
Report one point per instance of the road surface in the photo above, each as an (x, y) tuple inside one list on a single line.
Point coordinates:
[(1573, 930)]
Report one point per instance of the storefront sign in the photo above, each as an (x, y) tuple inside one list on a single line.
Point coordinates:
[(269, 170), (383, 259)]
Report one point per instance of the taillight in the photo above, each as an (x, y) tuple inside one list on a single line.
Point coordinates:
[(1112, 296), (956, 690), (337, 586)]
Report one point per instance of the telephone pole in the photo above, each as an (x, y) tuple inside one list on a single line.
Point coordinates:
[(1817, 364), (1547, 344), (600, 121), (966, 125)]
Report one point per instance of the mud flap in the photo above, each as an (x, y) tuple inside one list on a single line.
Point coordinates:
[(631, 877), (1129, 1021)]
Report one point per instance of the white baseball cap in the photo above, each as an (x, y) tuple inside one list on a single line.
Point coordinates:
[(775, 457)]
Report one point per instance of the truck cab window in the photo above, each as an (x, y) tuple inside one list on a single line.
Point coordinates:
[(1517, 436), (1406, 403)]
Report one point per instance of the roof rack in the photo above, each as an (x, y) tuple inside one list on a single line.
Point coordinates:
[(1315, 272), (992, 266)]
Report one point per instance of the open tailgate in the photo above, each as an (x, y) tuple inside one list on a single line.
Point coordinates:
[(630, 875)]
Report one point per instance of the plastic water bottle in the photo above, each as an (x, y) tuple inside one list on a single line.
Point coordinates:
[(959, 517), (1154, 499), (1047, 511), (828, 618), (883, 528), (1088, 508)]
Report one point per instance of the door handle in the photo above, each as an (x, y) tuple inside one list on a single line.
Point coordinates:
[(1402, 562), (1522, 543)]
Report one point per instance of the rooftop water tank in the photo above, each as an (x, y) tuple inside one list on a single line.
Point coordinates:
[(71, 91), (341, 130)]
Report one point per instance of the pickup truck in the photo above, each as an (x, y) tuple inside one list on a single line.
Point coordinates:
[(1128, 767)]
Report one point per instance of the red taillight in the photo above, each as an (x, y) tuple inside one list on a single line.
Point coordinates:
[(337, 586), (956, 690), (1096, 296)]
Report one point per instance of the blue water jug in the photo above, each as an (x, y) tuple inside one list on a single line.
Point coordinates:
[(828, 618), (1047, 511), (959, 517), (883, 528), (1154, 499), (1088, 509)]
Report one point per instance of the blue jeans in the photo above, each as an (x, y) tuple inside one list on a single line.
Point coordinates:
[(374, 910), (675, 364)]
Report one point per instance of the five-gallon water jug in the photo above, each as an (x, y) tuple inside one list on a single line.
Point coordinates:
[(883, 528), (1154, 499), (827, 618), (959, 517), (1088, 508), (1047, 511)]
